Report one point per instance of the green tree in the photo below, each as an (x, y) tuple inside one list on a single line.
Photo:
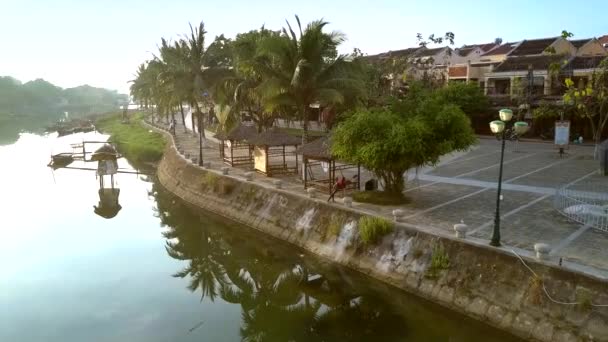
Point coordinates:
[(469, 97), (243, 89), (415, 132), (304, 68), (590, 101)]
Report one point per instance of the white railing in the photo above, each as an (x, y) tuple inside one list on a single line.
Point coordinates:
[(586, 207)]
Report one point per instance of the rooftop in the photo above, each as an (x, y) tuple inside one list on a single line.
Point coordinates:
[(319, 148), (580, 42), (242, 132), (533, 46), (502, 49), (484, 47), (392, 54), (426, 52), (541, 62), (275, 137)]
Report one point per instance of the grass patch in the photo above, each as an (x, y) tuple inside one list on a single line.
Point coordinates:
[(380, 198), (439, 261), (134, 141), (372, 228), (335, 225)]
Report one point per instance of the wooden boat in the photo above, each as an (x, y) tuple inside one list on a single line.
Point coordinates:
[(61, 160)]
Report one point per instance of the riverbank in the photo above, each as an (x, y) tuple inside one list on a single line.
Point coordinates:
[(137, 143), (490, 284)]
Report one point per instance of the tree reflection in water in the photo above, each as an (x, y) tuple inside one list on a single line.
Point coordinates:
[(287, 297), (278, 302)]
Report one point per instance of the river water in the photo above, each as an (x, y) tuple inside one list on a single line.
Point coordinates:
[(161, 271)]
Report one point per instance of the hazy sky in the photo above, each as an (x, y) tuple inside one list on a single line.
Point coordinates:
[(101, 42)]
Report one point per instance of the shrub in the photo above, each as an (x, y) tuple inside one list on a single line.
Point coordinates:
[(372, 228), (380, 197), (439, 261), (335, 225)]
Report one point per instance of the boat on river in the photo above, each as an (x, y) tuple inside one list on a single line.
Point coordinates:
[(61, 160)]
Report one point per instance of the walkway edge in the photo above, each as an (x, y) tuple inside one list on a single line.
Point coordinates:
[(482, 282)]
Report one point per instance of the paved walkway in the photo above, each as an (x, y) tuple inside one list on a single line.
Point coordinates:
[(462, 188)]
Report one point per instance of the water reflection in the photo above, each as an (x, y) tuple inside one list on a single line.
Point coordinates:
[(108, 206), (288, 296)]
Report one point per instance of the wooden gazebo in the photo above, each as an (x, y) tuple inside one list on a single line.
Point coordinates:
[(235, 147), (272, 149), (317, 156)]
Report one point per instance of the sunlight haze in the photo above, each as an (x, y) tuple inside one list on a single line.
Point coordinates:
[(101, 43)]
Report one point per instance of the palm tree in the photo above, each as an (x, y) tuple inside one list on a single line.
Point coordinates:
[(241, 90), (304, 69), (205, 66)]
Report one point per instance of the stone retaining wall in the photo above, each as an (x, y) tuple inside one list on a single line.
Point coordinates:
[(486, 283)]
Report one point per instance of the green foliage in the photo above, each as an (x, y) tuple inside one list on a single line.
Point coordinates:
[(335, 225), (135, 142), (210, 179), (380, 198), (439, 261), (546, 110), (469, 97), (298, 70), (185, 71), (415, 132), (372, 228), (590, 100), (33, 105)]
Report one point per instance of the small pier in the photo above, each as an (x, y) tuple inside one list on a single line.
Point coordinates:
[(85, 151)]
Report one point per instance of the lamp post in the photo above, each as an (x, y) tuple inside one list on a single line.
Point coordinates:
[(498, 127), (200, 138)]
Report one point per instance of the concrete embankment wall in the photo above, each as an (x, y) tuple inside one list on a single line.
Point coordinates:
[(485, 283)]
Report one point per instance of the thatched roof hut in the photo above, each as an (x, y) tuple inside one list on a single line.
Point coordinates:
[(319, 149), (275, 137), (317, 155), (105, 152), (242, 133)]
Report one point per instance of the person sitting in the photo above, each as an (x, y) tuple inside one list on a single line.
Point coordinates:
[(341, 184)]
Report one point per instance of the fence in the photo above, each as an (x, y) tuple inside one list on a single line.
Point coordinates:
[(586, 207)]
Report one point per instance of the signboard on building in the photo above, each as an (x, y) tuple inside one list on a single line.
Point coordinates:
[(562, 133)]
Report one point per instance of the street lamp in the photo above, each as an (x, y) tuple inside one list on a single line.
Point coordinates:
[(499, 128), (200, 138)]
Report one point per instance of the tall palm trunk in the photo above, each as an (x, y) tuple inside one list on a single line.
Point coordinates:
[(304, 125), (181, 110), (192, 118)]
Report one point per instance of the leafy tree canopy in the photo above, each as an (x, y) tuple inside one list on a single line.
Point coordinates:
[(414, 132)]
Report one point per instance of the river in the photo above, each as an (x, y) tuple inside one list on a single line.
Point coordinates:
[(162, 271)]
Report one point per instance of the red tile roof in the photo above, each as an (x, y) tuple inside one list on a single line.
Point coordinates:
[(426, 52), (540, 62), (484, 47), (501, 50), (580, 42), (603, 39), (533, 46)]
